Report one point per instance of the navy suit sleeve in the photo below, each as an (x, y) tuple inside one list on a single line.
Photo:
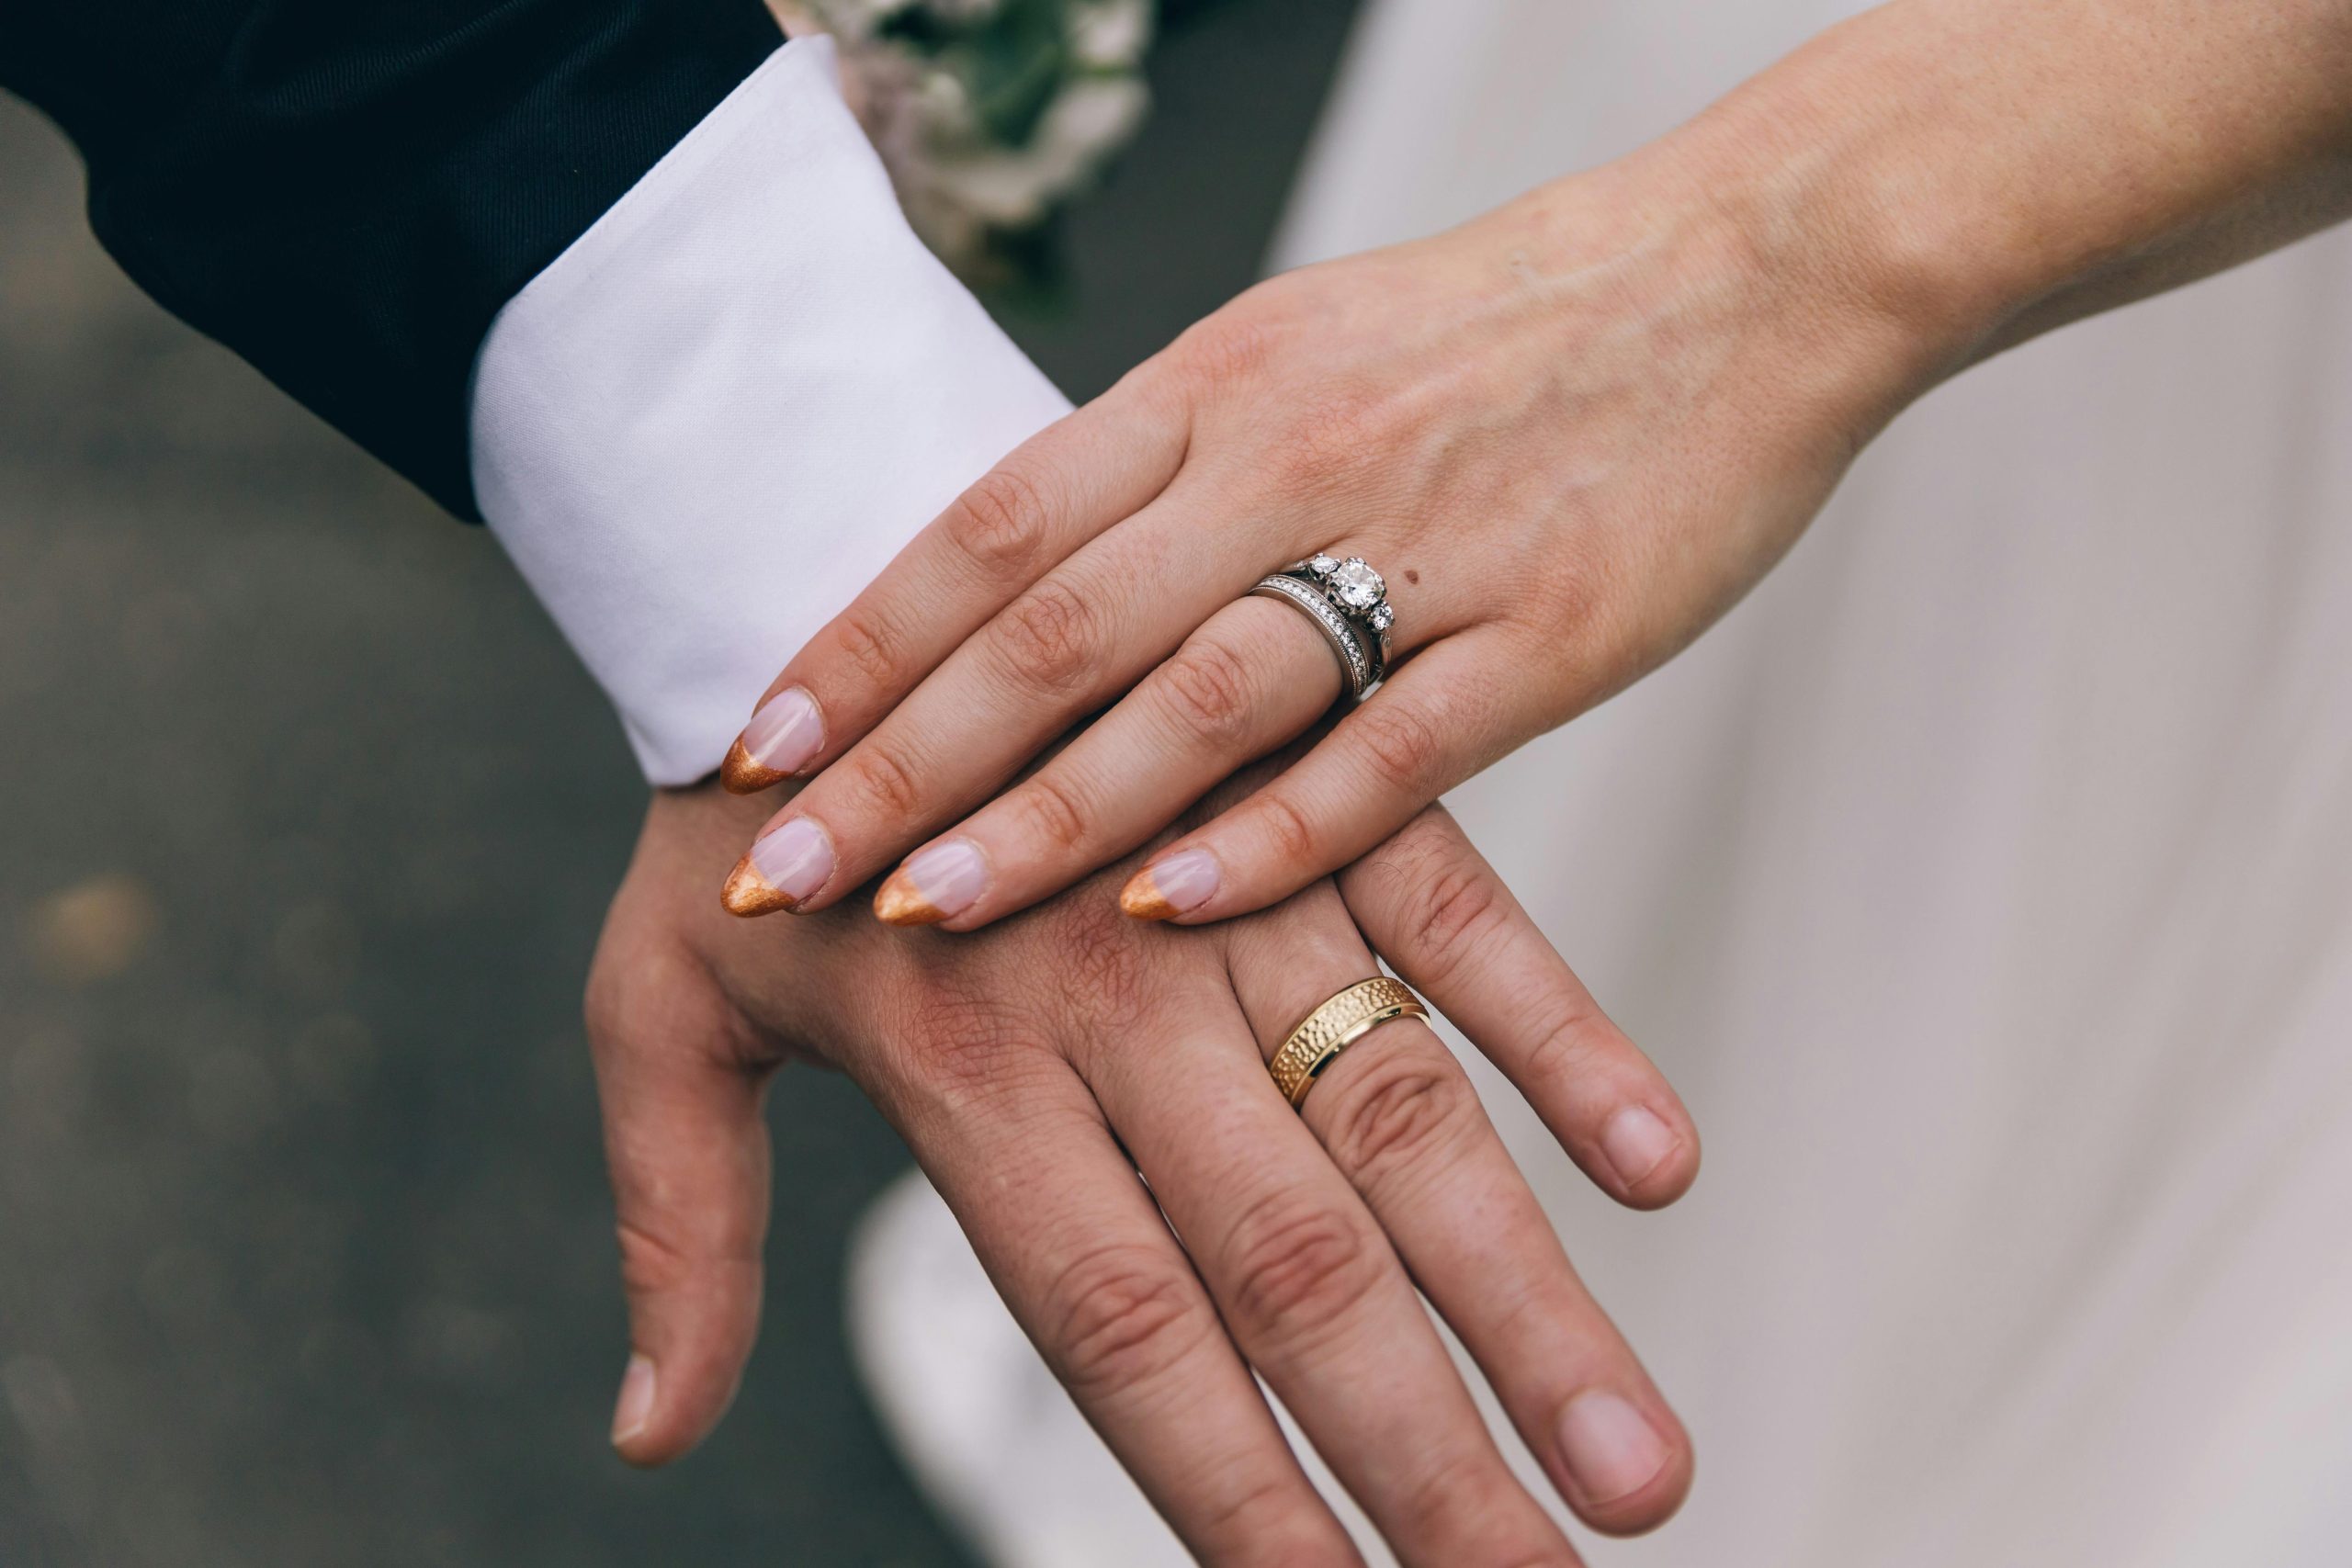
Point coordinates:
[(346, 191)]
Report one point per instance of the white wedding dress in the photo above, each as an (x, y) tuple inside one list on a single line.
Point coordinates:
[(1985, 884)]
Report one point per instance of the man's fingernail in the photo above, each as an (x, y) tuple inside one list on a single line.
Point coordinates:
[(1636, 1143), (783, 735), (635, 1407), (784, 868), (1611, 1450), (1177, 885), (938, 882)]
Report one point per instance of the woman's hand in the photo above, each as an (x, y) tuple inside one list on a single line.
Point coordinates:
[(1569, 434), (1036, 1069)]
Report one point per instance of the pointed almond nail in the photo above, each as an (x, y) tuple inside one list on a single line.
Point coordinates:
[(1176, 885), (936, 884), (741, 775), (783, 735), (748, 894), (1142, 898), (785, 868), (898, 902)]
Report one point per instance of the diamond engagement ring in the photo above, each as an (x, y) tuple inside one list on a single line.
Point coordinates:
[(1359, 593), (1348, 601)]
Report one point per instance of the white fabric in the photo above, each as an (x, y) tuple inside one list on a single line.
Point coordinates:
[(715, 416), (1982, 883)]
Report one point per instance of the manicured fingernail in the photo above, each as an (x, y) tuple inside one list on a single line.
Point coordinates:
[(938, 882), (1177, 885), (1610, 1449), (635, 1407), (1636, 1143), (783, 867), (786, 732)]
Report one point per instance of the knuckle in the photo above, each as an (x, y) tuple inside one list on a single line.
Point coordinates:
[(1289, 834), (651, 1007), (1123, 1316), (602, 1011), (1054, 813), (1585, 625), (1298, 1266), (1396, 1111), (1208, 687), (1450, 909), (651, 1264), (1271, 1518), (963, 1052), (881, 786), (1568, 594), (1051, 636), (1100, 956), (871, 644), (1570, 1036), (1000, 524), (1409, 858), (1465, 1496), (1228, 347), (618, 1004), (1402, 746)]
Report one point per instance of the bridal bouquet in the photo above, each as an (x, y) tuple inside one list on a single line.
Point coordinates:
[(991, 115)]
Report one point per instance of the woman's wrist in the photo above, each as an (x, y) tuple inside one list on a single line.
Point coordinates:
[(1967, 173), (1771, 224)]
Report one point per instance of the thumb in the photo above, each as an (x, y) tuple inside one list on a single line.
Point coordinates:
[(688, 1152)]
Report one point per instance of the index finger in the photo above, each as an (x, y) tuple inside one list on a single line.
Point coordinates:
[(1055, 491)]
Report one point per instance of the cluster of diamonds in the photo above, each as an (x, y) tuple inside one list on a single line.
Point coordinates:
[(1356, 587)]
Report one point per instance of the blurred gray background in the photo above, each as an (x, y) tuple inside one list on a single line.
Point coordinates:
[(307, 823)]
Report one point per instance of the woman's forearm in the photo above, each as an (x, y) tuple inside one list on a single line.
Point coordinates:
[(1986, 170)]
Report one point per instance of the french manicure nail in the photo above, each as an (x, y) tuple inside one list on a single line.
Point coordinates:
[(1177, 885), (635, 1407), (1636, 1143), (783, 735), (1611, 1450), (783, 867), (938, 882)]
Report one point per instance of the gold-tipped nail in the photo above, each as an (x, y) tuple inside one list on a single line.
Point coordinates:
[(898, 902), (747, 892), (1142, 898), (741, 775)]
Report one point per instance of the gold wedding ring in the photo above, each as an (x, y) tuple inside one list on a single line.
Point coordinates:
[(1336, 1025)]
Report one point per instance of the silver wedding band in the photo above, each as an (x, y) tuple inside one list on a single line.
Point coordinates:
[(1355, 659), (1348, 601)]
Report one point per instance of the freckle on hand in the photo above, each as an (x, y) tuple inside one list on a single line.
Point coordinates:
[(1412, 577)]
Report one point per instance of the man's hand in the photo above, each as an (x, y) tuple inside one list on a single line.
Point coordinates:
[(1036, 1069)]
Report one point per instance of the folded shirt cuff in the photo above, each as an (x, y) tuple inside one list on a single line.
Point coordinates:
[(712, 420)]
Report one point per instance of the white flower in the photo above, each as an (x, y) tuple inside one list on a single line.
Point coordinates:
[(1108, 34), (961, 188)]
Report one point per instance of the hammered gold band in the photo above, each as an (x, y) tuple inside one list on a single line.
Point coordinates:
[(1336, 1025)]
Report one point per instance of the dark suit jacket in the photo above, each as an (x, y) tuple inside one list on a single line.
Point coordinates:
[(346, 191)]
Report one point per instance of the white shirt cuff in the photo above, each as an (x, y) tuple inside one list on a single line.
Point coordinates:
[(715, 418)]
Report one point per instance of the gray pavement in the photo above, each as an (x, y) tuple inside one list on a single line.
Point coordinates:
[(307, 820)]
